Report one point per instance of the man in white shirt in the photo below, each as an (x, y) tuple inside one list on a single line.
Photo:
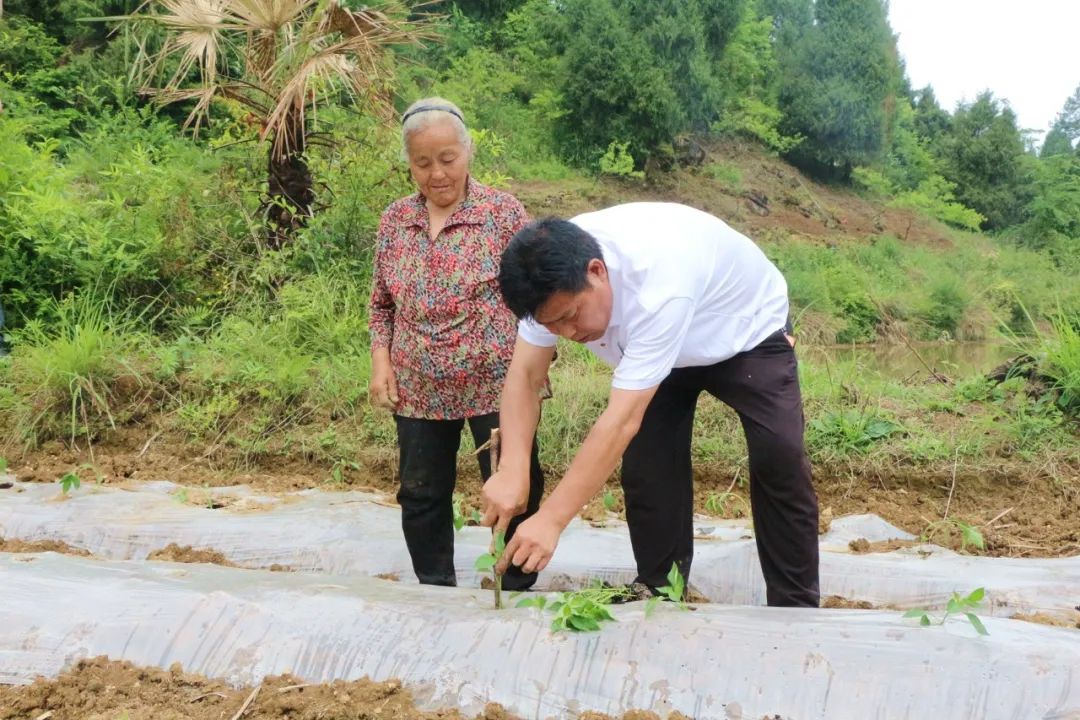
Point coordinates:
[(678, 303)]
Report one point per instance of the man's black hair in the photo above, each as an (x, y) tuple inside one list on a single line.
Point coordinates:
[(545, 257)]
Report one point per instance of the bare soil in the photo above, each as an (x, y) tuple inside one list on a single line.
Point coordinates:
[(101, 689), (186, 554), (35, 546)]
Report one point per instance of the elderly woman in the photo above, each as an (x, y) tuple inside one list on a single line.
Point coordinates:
[(441, 336)]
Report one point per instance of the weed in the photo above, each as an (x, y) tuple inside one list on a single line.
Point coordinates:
[(969, 534), (609, 500), (844, 431), (957, 604), (721, 503), (337, 472)]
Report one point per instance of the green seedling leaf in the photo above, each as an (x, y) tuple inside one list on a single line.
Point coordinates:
[(500, 543), (583, 623), (476, 517), (609, 500), (954, 604), (650, 605), (485, 562), (915, 612), (537, 602), (3, 464), (924, 620), (459, 517), (976, 623), (970, 535), (70, 482), (976, 596)]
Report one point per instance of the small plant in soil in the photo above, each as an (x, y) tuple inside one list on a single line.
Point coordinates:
[(337, 472), (674, 591), (609, 500), (487, 562), (580, 610), (70, 482), (966, 605), (723, 503), (969, 534)]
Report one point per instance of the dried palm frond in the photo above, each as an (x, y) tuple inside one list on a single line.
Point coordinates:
[(293, 53)]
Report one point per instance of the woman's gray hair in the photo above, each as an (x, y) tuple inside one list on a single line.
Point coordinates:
[(429, 111)]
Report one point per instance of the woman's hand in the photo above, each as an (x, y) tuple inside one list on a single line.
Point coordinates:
[(383, 388)]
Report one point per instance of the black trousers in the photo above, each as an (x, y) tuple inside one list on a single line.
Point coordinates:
[(762, 386), (428, 473)]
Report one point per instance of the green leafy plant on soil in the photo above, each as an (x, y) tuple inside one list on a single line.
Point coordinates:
[(580, 610), (337, 473), (674, 591), (609, 500), (969, 534), (487, 562), (70, 482), (727, 502), (966, 605)]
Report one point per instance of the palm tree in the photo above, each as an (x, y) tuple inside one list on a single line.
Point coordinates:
[(280, 59)]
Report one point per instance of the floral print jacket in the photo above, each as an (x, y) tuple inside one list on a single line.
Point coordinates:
[(437, 306)]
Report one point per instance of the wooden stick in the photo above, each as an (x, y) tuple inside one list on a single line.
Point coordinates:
[(493, 452), (244, 707)]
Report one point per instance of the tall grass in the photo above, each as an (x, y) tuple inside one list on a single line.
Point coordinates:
[(62, 375)]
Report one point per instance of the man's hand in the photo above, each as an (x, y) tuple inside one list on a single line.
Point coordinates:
[(505, 496), (533, 544), (383, 388)]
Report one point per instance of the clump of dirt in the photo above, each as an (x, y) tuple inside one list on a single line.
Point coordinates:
[(836, 601), (103, 689), (391, 576), (187, 554), (825, 518), (861, 546), (1052, 620), (34, 546)]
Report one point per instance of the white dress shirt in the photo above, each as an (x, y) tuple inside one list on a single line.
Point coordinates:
[(687, 291)]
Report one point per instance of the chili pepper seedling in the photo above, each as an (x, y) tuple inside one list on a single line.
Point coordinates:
[(673, 591), (967, 605)]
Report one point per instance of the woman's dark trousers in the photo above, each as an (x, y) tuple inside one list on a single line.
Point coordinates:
[(762, 386), (428, 473)]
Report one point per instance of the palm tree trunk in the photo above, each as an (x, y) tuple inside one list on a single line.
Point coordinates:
[(290, 186)]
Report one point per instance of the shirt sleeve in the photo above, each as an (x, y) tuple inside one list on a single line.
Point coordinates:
[(536, 334), (653, 345), (381, 308)]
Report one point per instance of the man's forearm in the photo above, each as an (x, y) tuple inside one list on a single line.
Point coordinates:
[(518, 416), (592, 466)]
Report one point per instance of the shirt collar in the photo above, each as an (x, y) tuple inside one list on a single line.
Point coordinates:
[(471, 211)]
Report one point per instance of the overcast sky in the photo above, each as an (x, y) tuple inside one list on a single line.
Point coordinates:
[(1025, 52)]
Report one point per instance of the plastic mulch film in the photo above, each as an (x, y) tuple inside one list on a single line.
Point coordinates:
[(354, 533), (452, 650)]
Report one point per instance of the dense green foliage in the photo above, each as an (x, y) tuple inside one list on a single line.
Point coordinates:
[(135, 275)]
